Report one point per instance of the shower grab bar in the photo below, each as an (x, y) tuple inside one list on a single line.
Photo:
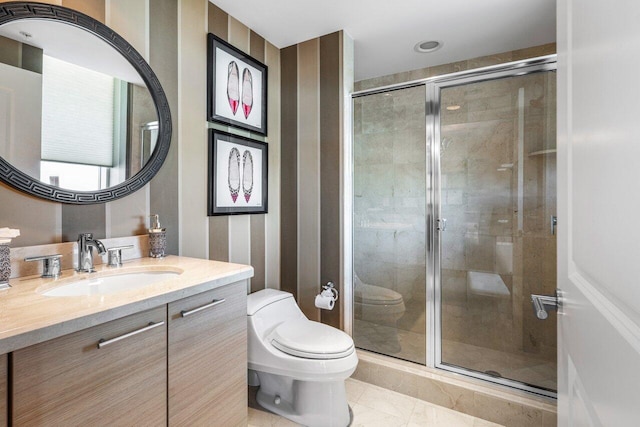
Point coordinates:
[(543, 302)]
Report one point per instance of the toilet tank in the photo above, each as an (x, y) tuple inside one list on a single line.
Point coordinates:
[(268, 308)]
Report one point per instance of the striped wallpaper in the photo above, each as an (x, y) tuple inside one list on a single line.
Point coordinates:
[(315, 84), (252, 239), (297, 245)]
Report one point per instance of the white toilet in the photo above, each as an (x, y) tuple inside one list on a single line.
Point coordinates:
[(300, 365)]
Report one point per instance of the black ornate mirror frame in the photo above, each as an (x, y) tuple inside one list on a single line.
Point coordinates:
[(21, 181)]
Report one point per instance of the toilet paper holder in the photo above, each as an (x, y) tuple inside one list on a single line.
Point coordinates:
[(329, 290), (327, 298)]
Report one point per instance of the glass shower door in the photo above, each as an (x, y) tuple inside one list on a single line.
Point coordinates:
[(497, 179), (389, 223)]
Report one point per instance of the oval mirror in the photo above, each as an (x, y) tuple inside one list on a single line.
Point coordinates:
[(83, 118)]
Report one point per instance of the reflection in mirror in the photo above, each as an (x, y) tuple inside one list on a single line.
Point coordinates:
[(73, 112)]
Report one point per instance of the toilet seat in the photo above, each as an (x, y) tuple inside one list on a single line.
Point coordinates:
[(311, 340)]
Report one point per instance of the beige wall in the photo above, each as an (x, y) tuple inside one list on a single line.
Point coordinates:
[(163, 54), (193, 147)]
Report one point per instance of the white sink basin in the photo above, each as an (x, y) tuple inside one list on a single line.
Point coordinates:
[(108, 284)]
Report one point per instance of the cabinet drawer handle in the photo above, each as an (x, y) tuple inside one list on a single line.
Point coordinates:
[(215, 302), (103, 343)]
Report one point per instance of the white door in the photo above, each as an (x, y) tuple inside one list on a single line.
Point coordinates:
[(599, 212)]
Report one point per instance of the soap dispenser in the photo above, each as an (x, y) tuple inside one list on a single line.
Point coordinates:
[(157, 238)]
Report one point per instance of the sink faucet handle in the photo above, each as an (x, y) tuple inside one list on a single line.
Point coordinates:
[(115, 255), (50, 264)]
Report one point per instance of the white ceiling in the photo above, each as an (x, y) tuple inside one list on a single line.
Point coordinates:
[(385, 31)]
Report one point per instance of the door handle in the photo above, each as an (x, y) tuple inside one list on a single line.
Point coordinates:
[(442, 224), (554, 224), (543, 302)]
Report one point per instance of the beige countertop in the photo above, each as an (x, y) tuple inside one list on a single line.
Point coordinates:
[(27, 317)]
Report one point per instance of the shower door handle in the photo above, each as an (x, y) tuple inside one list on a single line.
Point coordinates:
[(542, 302), (442, 224)]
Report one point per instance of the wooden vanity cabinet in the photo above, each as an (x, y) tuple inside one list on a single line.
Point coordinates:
[(190, 355), (70, 381), (3, 390), (208, 358)]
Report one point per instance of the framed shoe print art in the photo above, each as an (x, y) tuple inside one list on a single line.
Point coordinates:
[(236, 87), (237, 175)]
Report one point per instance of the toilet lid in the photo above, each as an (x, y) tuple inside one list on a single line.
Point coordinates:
[(311, 340), (375, 295)]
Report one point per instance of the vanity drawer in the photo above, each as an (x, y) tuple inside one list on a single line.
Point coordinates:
[(208, 358), (71, 381)]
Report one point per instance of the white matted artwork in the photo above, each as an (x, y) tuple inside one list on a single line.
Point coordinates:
[(237, 174), (237, 87)]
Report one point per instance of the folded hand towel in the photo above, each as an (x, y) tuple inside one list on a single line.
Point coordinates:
[(6, 234), (9, 233)]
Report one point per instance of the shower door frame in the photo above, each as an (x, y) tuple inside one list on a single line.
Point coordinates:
[(434, 274), (433, 86)]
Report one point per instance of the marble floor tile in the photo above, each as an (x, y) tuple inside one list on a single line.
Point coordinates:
[(261, 418), (426, 414), (375, 406), (389, 402), (479, 422), (363, 416), (354, 390)]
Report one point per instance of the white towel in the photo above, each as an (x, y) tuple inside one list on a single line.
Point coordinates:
[(6, 234)]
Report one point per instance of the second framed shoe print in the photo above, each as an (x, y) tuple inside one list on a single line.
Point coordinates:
[(237, 175), (236, 87)]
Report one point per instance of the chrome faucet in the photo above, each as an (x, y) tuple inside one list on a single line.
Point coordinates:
[(86, 243)]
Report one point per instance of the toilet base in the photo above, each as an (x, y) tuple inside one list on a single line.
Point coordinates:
[(310, 403)]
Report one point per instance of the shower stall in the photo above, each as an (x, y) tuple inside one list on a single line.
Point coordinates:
[(454, 216)]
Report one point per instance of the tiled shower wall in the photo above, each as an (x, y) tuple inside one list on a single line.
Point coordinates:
[(498, 195), (389, 205), (389, 149), (389, 158), (389, 191)]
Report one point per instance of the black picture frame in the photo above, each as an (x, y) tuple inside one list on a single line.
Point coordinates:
[(226, 87), (228, 192)]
